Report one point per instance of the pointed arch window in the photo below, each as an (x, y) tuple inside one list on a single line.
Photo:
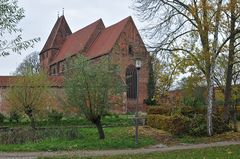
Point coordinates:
[(131, 81)]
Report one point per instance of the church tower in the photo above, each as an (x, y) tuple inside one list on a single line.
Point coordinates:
[(54, 42)]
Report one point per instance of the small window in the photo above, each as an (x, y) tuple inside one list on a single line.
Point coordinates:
[(53, 70), (61, 67), (131, 81), (130, 50)]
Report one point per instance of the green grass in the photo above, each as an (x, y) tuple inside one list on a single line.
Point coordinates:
[(117, 120), (116, 138), (227, 136), (230, 152)]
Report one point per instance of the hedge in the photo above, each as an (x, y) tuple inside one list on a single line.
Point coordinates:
[(190, 111), (220, 109), (182, 125), (159, 110), (176, 124)]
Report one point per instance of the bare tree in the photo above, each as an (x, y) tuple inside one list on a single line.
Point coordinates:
[(189, 30), (233, 19)]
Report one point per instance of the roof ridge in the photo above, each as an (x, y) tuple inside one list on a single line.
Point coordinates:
[(126, 21), (87, 25), (60, 20), (112, 32), (100, 20), (50, 40), (84, 34)]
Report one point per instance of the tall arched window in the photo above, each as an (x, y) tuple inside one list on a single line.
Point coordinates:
[(131, 81)]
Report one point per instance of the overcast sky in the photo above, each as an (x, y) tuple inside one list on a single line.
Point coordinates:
[(42, 14)]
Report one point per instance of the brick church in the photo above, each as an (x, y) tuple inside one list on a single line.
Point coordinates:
[(120, 42)]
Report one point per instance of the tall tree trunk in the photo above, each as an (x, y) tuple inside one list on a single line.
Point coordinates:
[(97, 122), (211, 64), (29, 113), (33, 125), (228, 87), (204, 34), (211, 67), (210, 102)]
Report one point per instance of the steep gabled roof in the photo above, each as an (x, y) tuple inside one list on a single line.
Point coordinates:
[(77, 41), (93, 40), (59, 27), (106, 39)]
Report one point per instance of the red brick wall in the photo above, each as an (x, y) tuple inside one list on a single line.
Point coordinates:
[(3, 103), (121, 56)]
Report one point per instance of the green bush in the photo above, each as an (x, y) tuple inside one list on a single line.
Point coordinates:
[(198, 126), (178, 125), (194, 101), (191, 112), (55, 116), (150, 101), (175, 124), (159, 110), (194, 123), (2, 117), (219, 126), (14, 117), (185, 110), (157, 121)]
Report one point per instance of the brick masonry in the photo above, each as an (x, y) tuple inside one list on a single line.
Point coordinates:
[(120, 55)]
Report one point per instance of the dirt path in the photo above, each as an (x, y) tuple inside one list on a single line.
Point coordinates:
[(85, 153)]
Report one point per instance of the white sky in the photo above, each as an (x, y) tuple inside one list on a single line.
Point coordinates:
[(42, 14)]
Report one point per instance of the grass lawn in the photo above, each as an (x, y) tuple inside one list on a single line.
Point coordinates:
[(117, 120), (227, 136), (230, 152), (116, 138)]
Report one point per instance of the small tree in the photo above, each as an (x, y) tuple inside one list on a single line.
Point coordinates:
[(194, 91), (30, 63), (92, 86), (151, 84), (29, 95)]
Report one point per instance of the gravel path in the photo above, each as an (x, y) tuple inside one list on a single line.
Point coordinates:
[(85, 153)]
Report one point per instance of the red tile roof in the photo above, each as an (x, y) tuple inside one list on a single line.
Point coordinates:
[(55, 81), (106, 40), (76, 42), (102, 41), (61, 23)]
